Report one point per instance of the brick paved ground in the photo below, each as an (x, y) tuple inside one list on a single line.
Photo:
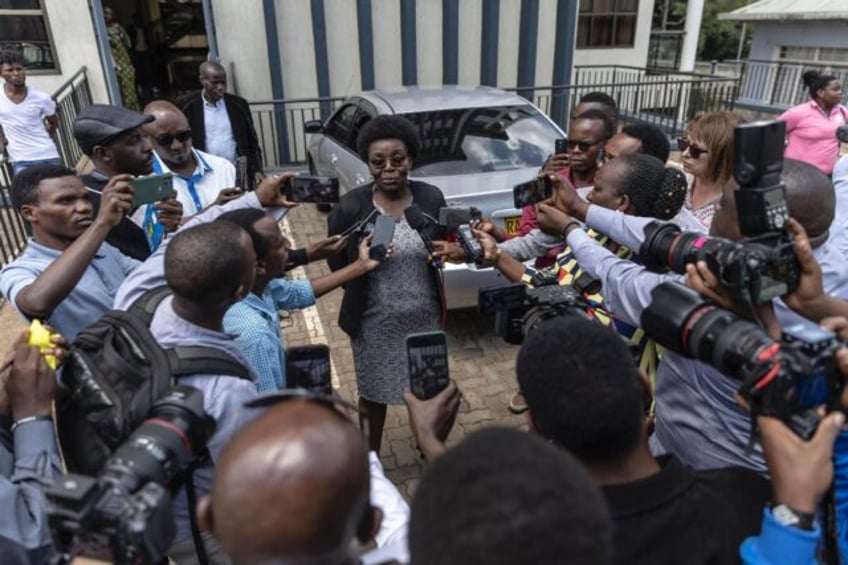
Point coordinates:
[(481, 363)]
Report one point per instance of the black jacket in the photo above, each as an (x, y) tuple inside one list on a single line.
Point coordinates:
[(127, 236), (683, 516), (238, 110), (354, 207)]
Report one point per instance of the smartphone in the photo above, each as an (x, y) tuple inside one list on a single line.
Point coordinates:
[(560, 145), (428, 363), (241, 174), (152, 188), (473, 249), (532, 192), (384, 231), (309, 367), (319, 190)]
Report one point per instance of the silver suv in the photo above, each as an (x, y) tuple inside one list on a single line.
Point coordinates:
[(476, 144)]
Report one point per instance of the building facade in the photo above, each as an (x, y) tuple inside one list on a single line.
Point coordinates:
[(329, 48)]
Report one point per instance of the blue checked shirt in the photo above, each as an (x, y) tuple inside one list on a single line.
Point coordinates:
[(255, 324)]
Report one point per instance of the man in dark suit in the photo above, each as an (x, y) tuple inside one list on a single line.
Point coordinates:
[(221, 123)]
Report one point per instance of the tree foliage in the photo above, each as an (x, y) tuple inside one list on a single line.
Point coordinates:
[(718, 40)]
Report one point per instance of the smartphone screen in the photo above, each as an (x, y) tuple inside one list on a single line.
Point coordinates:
[(384, 231), (428, 363), (532, 192), (152, 188), (321, 190), (309, 367)]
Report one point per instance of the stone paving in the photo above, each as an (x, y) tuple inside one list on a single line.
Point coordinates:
[(482, 364)]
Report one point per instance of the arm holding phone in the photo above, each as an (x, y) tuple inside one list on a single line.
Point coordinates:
[(431, 420)]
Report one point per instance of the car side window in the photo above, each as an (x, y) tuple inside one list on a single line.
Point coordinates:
[(340, 125), (366, 112)]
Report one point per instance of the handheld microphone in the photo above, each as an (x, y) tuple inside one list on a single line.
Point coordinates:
[(419, 221)]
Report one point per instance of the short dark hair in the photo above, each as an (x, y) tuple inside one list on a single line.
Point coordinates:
[(246, 218), (388, 127), (815, 81), (24, 189), (583, 388), (201, 263), (599, 116), (655, 190), (602, 98), (654, 141), (505, 497), (11, 57)]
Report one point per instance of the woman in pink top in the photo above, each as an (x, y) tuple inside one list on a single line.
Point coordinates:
[(811, 126)]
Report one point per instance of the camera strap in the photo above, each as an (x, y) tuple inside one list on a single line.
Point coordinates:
[(829, 528), (202, 459)]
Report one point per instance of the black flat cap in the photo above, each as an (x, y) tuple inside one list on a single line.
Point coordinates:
[(99, 123)]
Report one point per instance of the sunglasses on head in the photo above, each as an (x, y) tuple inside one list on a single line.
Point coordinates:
[(166, 139), (694, 151), (583, 145)]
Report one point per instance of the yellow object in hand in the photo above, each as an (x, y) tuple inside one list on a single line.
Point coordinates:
[(39, 337)]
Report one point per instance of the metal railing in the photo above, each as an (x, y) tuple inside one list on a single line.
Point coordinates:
[(13, 233), (279, 126), (665, 99), (777, 85), (70, 99)]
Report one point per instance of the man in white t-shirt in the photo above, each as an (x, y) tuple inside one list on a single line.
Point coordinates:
[(27, 118)]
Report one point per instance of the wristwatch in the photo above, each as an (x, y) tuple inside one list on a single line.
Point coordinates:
[(786, 516)]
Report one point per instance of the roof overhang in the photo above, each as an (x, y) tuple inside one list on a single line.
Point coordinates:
[(789, 10)]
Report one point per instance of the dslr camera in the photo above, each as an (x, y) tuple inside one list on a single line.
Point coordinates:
[(124, 515), (786, 379), (519, 310), (764, 265)]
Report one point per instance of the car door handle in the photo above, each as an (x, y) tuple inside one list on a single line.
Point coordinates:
[(360, 180), (333, 158)]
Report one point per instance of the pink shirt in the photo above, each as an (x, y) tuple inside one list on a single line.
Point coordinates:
[(811, 135)]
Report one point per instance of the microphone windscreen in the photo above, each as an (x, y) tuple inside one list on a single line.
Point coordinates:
[(415, 217)]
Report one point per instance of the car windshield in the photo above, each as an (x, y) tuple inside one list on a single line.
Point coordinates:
[(475, 140)]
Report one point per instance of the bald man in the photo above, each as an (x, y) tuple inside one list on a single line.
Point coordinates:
[(222, 122), (292, 487)]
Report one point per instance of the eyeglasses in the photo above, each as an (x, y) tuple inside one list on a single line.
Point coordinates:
[(166, 139), (396, 160), (694, 151), (583, 145), (333, 403)]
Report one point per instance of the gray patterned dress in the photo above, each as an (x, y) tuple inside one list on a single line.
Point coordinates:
[(402, 299)]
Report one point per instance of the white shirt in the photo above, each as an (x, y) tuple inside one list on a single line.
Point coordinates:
[(23, 125), (219, 131), (212, 175)]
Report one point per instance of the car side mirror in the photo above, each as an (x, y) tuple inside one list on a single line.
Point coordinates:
[(313, 126)]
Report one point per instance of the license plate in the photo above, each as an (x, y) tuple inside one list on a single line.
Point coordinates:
[(511, 224)]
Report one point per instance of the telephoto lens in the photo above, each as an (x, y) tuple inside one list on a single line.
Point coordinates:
[(176, 430)]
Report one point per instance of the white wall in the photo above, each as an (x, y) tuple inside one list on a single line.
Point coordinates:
[(241, 41), (73, 38)]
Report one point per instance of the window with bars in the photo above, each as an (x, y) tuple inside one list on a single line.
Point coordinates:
[(24, 28), (817, 54), (606, 23)]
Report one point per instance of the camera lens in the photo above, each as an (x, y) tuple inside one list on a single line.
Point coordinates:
[(667, 319), (175, 432), (666, 247)]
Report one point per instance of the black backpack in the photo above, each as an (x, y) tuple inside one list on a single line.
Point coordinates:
[(114, 372)]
